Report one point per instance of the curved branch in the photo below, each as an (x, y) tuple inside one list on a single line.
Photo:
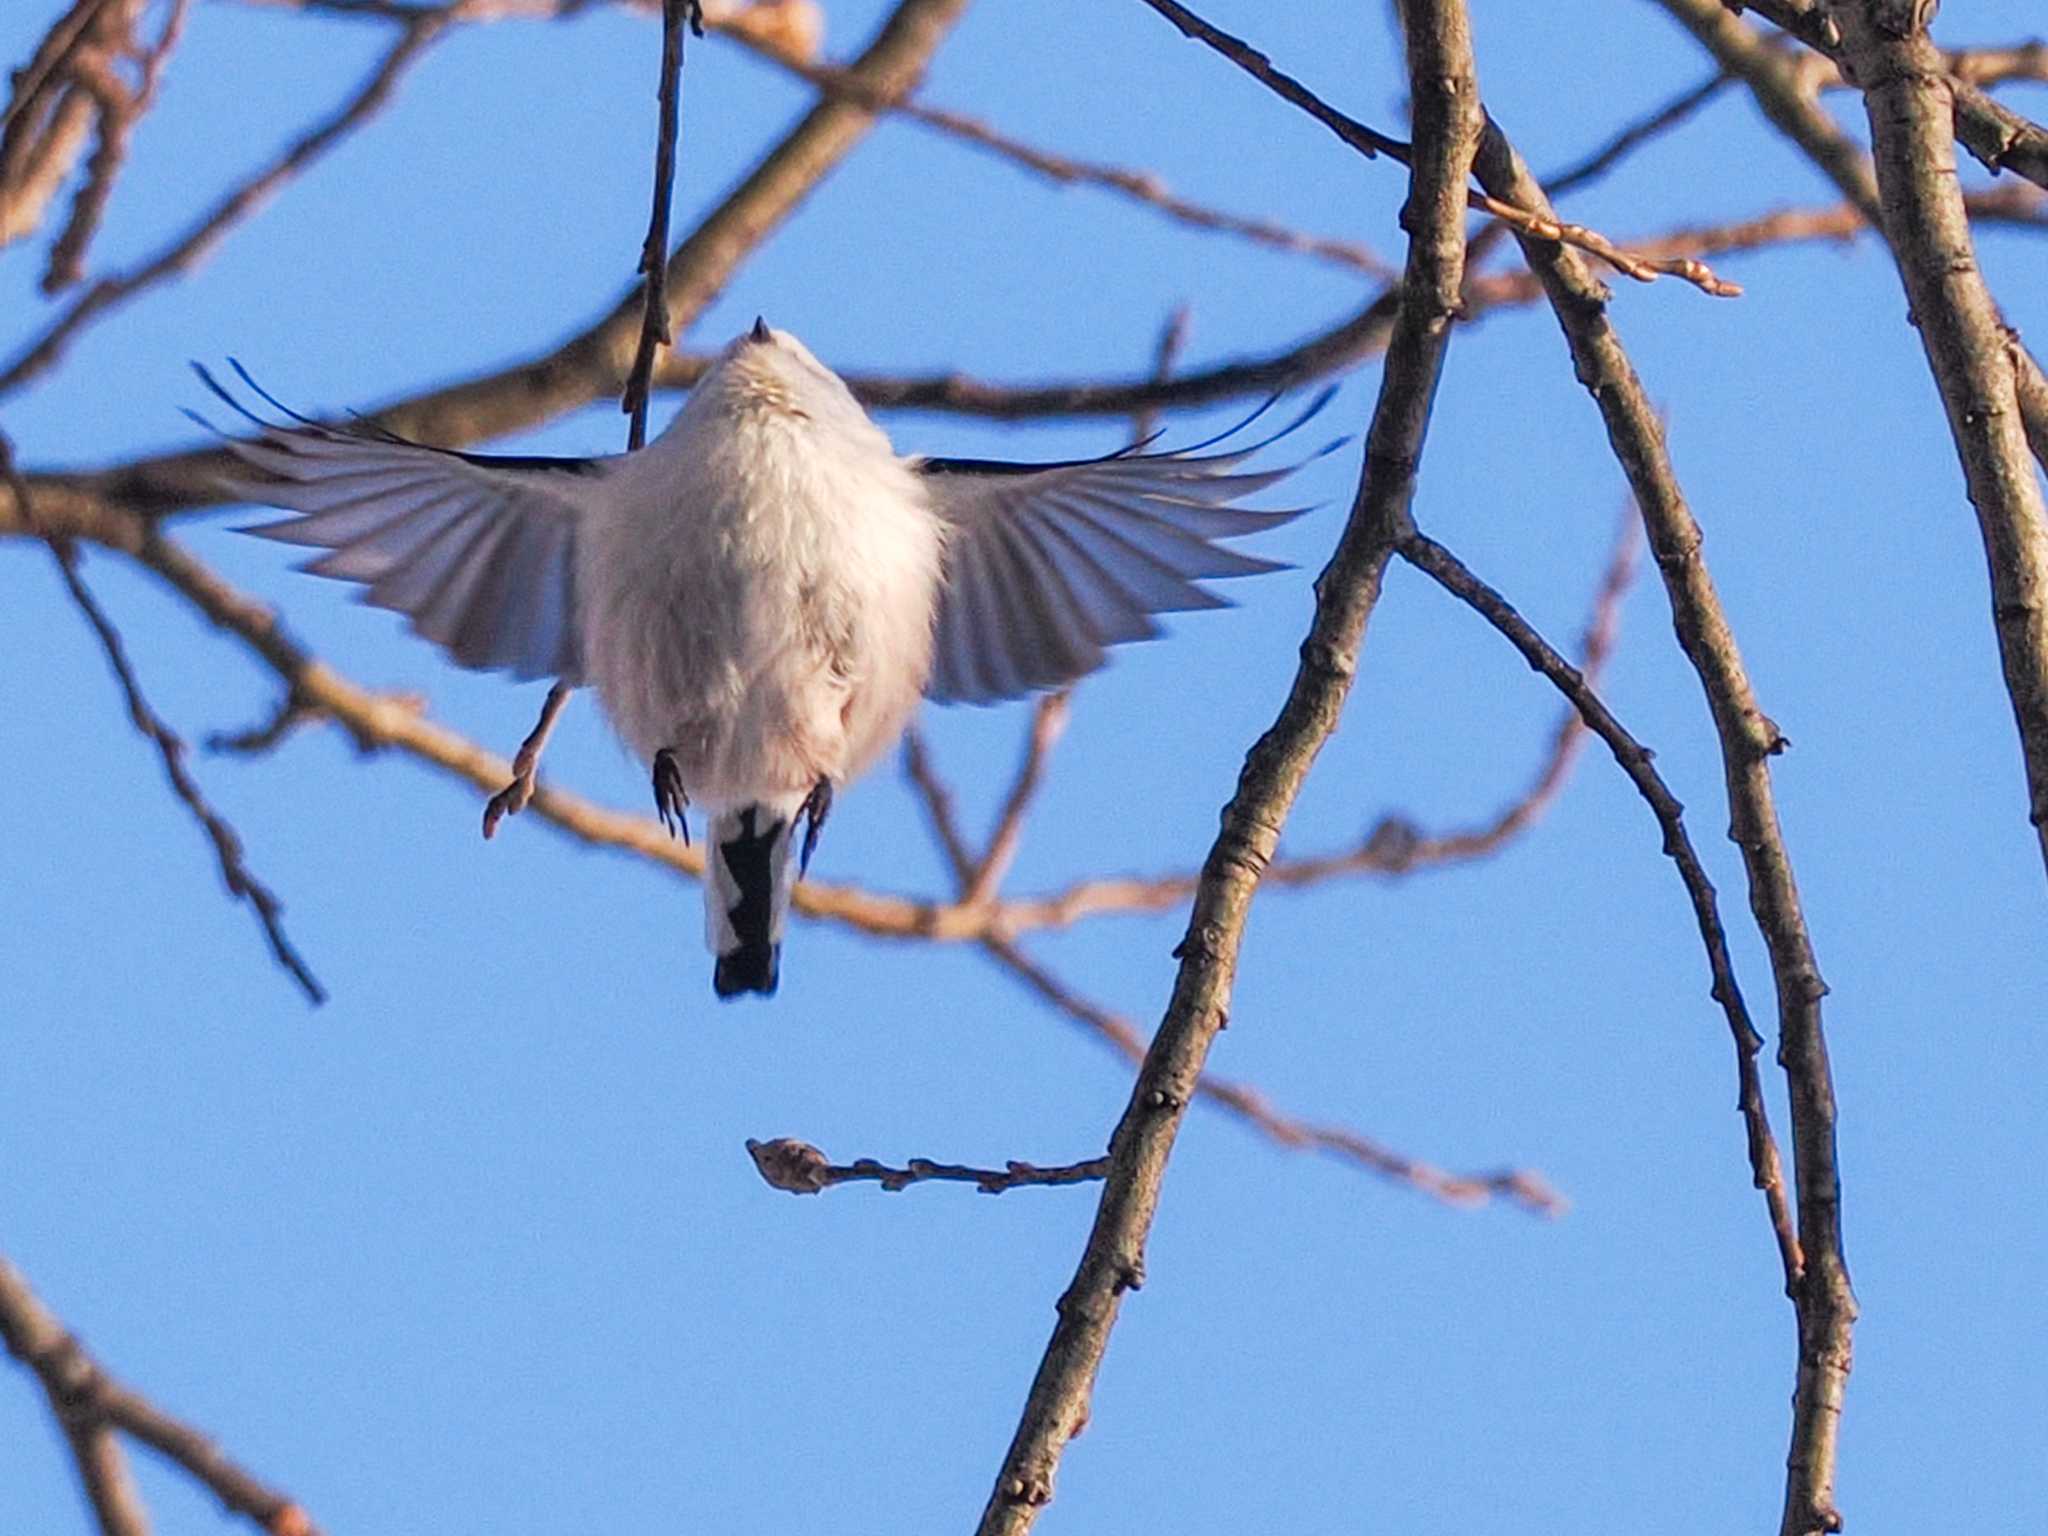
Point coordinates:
[(1766, 1169)]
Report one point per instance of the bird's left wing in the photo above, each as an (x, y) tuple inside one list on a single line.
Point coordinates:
[(1049, 564), (478, 550)]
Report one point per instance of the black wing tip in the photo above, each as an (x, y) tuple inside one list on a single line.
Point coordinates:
[(1315, 407), (299, 417), (936, 464), (226, 397)]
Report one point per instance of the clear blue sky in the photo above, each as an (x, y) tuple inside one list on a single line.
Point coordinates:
[(477, 1247)]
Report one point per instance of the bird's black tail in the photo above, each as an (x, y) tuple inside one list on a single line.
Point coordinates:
[(747, 881)]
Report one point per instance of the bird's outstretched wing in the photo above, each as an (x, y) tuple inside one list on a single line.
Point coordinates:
[(1048, 564), (478, 550)]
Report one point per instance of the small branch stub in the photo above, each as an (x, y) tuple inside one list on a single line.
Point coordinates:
[(801, 1169)]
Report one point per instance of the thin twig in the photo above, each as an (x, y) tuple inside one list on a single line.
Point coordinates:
[(185, 252), (291, 713), (46, 66), (1997, 64), (1048, 721), (44, 125), (1634, 136), (1526, 1188), (1141, 186), (82, 1394), (801, 1169), (1369, 142), (1166, 355), (1766, 1169), (655, 327), (1521, 1186), (1372, 143), (1447, 124), (1643, 269), (227, 843), (121, 107)]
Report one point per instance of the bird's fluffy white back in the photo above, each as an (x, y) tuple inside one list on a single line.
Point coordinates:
[(761, 590)]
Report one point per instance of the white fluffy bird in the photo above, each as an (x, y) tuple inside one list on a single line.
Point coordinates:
[(761, 595)]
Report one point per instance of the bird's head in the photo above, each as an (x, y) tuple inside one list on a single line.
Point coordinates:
[(769, 370)]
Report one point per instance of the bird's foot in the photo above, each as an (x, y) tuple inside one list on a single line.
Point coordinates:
[(671, 800), (515, 797), (816, 807)]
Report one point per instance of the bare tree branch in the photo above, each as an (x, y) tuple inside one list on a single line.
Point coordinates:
[(1048, 721), (185, 252), (1634, 136), (49, 113), (801, 1169), (656, 327), (1967, 345), (1447, 123), (1824, 1302), (2000, 138), (1522, 1186), (121, 107), (227, 843), (1786, 94), (91, 1405), (1766, 1169), (1371, 143)]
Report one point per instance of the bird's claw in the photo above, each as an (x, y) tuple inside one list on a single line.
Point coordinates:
[(671, 800), (816, 807)]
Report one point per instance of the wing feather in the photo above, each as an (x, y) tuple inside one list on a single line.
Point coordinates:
[(1047, 564), (478, 551)]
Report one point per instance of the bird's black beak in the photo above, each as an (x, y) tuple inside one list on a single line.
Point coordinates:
[(760, 331)]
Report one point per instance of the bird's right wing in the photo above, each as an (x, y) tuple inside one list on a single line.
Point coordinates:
[(1048, 564), (478, 550)]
